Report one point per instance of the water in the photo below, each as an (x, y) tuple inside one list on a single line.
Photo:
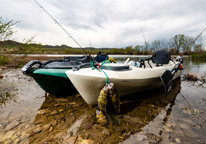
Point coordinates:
[(27, 116)]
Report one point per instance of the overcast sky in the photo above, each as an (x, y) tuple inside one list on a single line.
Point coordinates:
[(107, 23)]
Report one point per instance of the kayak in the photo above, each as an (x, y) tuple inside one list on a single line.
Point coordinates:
[(145, 75), (51, 76)]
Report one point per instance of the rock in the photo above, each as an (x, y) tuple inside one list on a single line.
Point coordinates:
[(168, 128), (72, 103), (70, 140), (8, 135), (75, 105), (54, 112), (197, 111), (70, 119), (87, 125), (105, 132), (54, 123), (27, 126), (59, 135), (62, 100), (130, 119), (56, 105), (42, 111), (78, 95), (12, 125), (37, 129), (153, 138), (178, 140), (46, 127), (87, 141), (51, 129), (61, 126), (1, 76), (61, 110), (40, 119)]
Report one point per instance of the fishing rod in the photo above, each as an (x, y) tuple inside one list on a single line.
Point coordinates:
[(89, 38), (143, 37), (60, 26), (195, 39)]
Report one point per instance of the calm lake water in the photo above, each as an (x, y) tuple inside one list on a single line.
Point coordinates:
[(27, 116)]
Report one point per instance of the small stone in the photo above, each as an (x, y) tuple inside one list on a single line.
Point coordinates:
[(72, 103), (178, 140), (75, 105), (54, 112), (71, 140), (61, 110), (56, 105), (37, 129), (46, 127), (78, 95), (61, 126), (87, 125), (1, 76), (62, 100), (40, 119), (51, 129), (27, 126), (54, 123), (41, 111), (70, 119), (59, 135)]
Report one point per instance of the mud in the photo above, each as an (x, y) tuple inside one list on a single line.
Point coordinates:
[(27, 116)]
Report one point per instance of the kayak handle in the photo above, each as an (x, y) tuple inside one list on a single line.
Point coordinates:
[(26, 68), (75, 68)]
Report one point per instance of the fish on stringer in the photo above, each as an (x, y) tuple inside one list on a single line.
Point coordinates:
[(108, 105)]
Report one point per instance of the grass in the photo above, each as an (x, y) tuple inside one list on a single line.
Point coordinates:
[(20, 61), (3, 60), (199, 55)]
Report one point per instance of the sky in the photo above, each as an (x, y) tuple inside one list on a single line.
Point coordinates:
[(104, 23)]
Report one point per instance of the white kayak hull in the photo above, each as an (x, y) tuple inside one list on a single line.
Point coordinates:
[(89, 82)]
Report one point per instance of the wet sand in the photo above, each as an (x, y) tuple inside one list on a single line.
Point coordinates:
[(27, 116)]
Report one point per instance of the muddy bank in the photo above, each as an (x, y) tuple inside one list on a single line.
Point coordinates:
[(27, 116)]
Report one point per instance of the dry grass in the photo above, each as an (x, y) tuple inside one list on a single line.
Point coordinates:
[(194, 77), (20, 61)]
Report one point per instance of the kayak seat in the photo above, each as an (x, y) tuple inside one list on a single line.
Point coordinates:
[(116, 66), (159, 58)]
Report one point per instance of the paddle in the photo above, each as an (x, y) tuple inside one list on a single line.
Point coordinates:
[(168, 75)]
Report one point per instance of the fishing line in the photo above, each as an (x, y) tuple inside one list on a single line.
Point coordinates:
[(60, 26), (143, 36), (88, 37)]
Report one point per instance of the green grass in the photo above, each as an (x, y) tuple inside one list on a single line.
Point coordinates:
[(3, 60), (199, 55)]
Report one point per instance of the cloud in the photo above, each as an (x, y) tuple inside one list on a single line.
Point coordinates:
[(108, 23)]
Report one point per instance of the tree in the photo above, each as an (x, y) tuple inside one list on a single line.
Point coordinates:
[(186, 45), (177, 42), (137, 49), (6, 29), (129, 50)]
